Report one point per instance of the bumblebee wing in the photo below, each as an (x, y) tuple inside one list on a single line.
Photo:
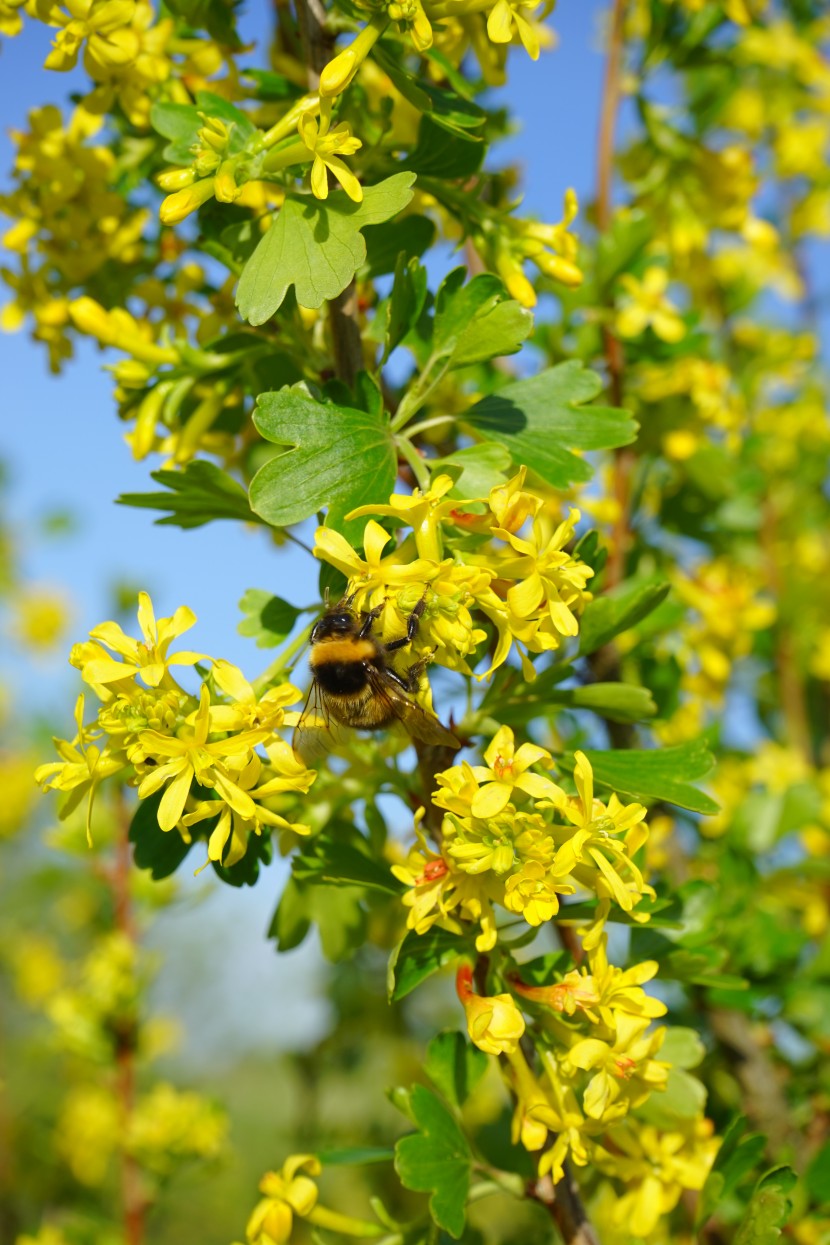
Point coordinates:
[(419, 724), (314, 736)]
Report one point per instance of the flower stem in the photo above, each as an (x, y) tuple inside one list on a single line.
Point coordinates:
[(281, 662), (332, 1221), (347, 347), (419, 467), (624, 459)]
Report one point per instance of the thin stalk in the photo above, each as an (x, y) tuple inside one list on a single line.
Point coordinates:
[(332, 1221), (280, 663), (132, 1199), (624, 459), (347, 347), (419, 468)]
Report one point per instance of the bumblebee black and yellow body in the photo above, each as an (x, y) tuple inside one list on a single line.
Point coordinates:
[(355, 685)]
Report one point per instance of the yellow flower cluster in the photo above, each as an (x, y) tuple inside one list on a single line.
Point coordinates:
[(599, 1066), (550, 247), (454, 26), (200, 752), (167, 1129), (70, 221), (512, 837), (286, 1193), (464, 557), (234, 162)]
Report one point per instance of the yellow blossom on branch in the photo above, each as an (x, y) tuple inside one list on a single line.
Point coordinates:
[(645, 305), (327, 146)]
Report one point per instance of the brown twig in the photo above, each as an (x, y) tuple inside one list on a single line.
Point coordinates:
[(347, 347), (564, 1205), (132, 1195), (790, 684), (624, 459)]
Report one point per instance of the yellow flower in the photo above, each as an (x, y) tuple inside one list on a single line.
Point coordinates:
[(508, 768), (586, 854), (411, 16), (146, 658), (338, 73), (104, 24), (170, 1127), (288, 1192), (82, 768), (495, 1023), (119, 329), (624, 1072), (655, 1168), (192, 758), (11, 20), (229, 839), (42, 617), (505, 15), (88, 1132), (549, 584), (182, 202), (327, 145), (646, 306)]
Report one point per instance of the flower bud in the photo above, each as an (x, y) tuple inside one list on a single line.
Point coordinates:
[(175, 179), (179, 205), (494, 1022)]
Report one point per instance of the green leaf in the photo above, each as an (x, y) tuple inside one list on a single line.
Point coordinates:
[(476, 321), (180, 123), (455, 1066), (355, 1156), (436, 1160), (244, 872), (241, 126), (683, 1099), (329, 858), (160, 851), (698, 966), (444, 107), (541, 419), (817, 1175), (769, 1209), (619, 246), (197, 495), (656, 774), (291, 920), (421, 955), (340, 458), (268, 619), (413, 235), (337, 913), (618, 702), (405, 303), (272, 86), (315, 246), (445, 152), (682, 1047), (614, 612), (476, 469), (214, 16), (736, 1158)]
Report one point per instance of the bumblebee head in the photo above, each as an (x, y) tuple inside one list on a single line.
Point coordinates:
[(336, 624)]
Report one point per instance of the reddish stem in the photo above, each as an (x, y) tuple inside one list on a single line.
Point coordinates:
[(132, 1197), (615, 362)]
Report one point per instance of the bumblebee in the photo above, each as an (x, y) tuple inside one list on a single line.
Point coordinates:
[(354, 684)]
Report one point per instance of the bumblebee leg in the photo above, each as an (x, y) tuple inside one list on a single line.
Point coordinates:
[(412, 624), (411, 679), (368, 619)]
